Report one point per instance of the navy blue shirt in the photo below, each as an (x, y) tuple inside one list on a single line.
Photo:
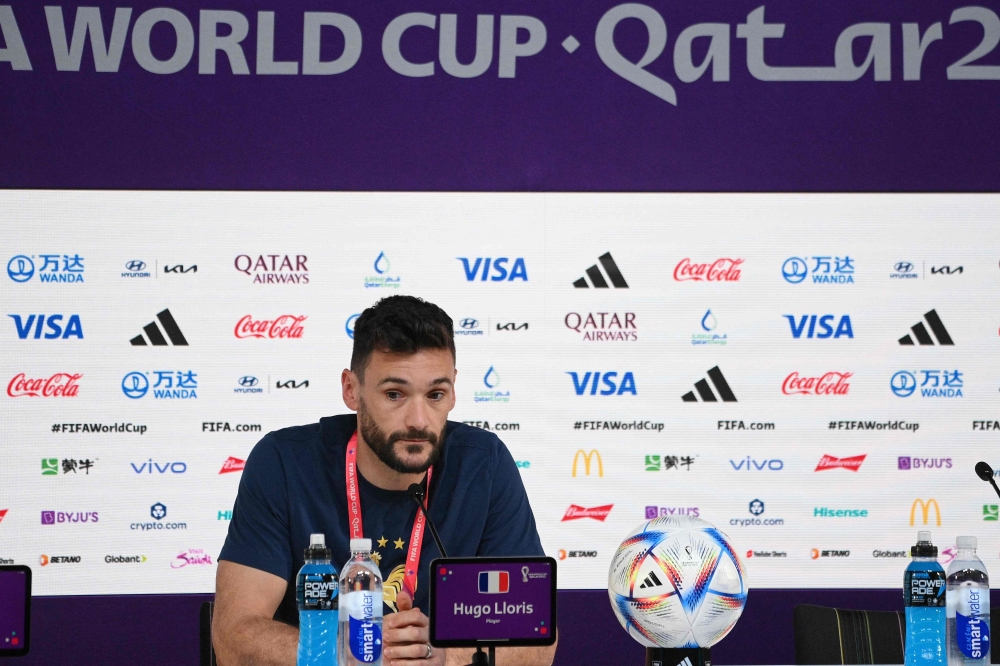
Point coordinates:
[(294, 485)]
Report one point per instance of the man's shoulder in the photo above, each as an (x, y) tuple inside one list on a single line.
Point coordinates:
[(329, 430)]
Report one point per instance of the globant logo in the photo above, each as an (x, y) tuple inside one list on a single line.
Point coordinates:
[(827, 270), (232, 465), (267, 269), (170, 384), (54, 517), (935, 384), (136, 269), (191, 557), (54, 268), (889, 554), (852, 463), (46, 560), (59, 385), (830, 383), (663, 511), (124, 559), (603, 326), (491, 380), (285, 326), (598, 513), (382, 279), (825, 326), (54, 322), (349, 325), (823, 512), (247, 384), (720, 270), (906, 463), (608, 382), (517, 270)]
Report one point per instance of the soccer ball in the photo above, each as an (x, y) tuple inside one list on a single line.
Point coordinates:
[(677, 582)]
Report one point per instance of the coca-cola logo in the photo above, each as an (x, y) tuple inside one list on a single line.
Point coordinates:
[(852, 463), (59, 385), (831, 383), (285, 326), (575, 512), (720, 270)]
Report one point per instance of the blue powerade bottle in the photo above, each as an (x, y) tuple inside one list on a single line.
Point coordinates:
[(924, 599), (317, 591)]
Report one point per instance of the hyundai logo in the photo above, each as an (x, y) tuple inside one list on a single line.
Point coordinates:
[(349, 326), (903, 267), (135, 265), (20, 268), (794, 270), (469, 323), (135, 385), (903, 384), (248, 381)]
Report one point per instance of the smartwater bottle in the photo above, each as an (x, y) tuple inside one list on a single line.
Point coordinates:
[(924, 600), (317, 591), (360, 608), (968, 607)]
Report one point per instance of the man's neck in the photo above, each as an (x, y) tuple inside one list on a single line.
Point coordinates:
[(378, 473)]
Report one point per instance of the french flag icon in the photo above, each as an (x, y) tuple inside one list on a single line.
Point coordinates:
[(494, 582)]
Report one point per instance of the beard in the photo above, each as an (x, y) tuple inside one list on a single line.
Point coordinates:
[(384, 445)]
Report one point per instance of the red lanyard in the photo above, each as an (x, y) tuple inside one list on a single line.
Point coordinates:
[(357, 530)]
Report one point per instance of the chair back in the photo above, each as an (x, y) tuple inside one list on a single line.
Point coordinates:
[(837, 636)]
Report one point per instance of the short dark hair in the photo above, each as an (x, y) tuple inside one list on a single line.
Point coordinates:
[(400, 325)]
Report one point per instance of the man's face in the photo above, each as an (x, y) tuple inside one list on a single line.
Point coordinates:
[(403, 406)]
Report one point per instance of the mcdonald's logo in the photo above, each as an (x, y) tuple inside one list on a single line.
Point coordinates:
[(587, 458), (925, 509)]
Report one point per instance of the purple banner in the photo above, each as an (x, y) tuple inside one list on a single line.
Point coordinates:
[(444, 95)]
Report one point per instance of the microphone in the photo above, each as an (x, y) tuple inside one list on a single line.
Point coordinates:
[(983, 470), (417, 495)]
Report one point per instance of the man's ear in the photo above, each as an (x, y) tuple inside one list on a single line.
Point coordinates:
[(350, 386)]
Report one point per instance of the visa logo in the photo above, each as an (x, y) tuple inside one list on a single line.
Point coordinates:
[(823, 330), (53, 323), (499, 265), (607, 381)]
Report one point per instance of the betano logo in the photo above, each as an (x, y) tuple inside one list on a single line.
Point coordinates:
[(925, 508), (587, 458)]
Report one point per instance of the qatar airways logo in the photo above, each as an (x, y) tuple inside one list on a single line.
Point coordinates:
[(832, 383), (598, 513), (285, 326), (59, 385), (852, 463), (274, 268), (720, 270)]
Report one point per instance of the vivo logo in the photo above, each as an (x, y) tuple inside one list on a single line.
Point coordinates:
[(749, 464), (151, 467)]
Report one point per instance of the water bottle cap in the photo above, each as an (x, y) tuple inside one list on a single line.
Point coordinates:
[(924, 535), (317, 540), (361, 545), (965, 542)]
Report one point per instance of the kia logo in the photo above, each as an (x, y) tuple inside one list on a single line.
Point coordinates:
[(469, 323), (794, 270), (135, 265), (903, 384), (248, 381), (135, 385), (903, 267), (20, 268)]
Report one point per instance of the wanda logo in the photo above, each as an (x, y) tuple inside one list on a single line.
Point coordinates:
[(285, 326), (59, 385), (575, 512), (832, 383), (720, 270)]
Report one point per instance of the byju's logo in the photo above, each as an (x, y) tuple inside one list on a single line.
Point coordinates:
[(923, 337), (349, 325), (597, 278), (935, 384), (603, 326), (136, 269), (59, 385), (491, 380), (382, 279), (267, 269), (705, 392), (908, 462), (21, 268), (825, 270), (904, 270), (500, 271), (56, 331), (179, 269), (284, 327), (664, 511), (607, 381), (830, 383), (170, 384), (709, 324), (720, 270), (59, 517), (155, 335), (248, 384), (825, 326)]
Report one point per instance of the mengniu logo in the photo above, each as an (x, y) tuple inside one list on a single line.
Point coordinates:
[(155, 334), (232, 465), (51, 268), (925, 508), (59, 385), (935, 384), (491, 380), (179, 269), (923, 337), (382, 279), (170, 384), (60, 517), (597, 278), (349, 325), (825, 270), (283, 327), (830, 383), (991, 512), (603, 326), (32, 325), (852, 463), (576, 512), (274, 268), (720, 270), (807, 324), (705, 392), (588, 458), (248, 384), (608, 382), (479, 268), (136, 269)]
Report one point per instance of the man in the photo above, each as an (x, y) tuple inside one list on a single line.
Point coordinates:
[(402, 386)]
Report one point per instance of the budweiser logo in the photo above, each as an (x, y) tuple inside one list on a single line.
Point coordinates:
[(829, 462), (575, 512), (832, 383), (285, 326), (720, 270), (232, 465), (59, 385)]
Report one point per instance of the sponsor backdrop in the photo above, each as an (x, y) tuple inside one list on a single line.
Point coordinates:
[(814, 374)]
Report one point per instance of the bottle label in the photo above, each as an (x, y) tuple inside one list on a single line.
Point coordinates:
[(319, 591), (972, 631), (924, 588), (365, 635)]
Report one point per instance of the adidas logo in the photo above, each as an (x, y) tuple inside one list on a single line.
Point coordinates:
[(701, 386), (597, 278), (923, 337), (651, 581), (155, 336)]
